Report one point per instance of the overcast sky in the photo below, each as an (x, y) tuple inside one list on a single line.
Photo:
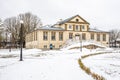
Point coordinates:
[(102, 14)]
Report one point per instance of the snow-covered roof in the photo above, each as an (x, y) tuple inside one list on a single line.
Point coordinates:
[(96, 30), (51, 28)]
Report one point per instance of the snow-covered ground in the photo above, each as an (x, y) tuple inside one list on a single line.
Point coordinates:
[(77, 44), (41, 65), (58, 64), (107, 65)]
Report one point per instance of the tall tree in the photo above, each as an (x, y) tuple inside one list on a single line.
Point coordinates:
[(30, 21), (1, 31), (114, 35), (12, 26)]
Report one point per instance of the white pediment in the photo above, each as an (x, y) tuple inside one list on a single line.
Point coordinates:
[(77, 18)]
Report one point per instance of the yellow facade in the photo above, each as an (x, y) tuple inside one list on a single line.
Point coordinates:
[(60, 33)]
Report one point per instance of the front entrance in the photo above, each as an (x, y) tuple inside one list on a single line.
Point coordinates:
[(77, 37), (51, 46)]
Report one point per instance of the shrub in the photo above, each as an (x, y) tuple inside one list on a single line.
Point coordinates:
[(88, 71), (97, 77), (7, 56)]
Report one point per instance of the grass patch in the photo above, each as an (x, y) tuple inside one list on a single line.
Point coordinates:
[(7, 56)]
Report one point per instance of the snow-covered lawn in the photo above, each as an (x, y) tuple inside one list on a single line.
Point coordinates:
[(58, 64), (107, 65), (41, 65)]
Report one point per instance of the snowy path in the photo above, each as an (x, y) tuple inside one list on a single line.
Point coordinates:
[(58, 67)]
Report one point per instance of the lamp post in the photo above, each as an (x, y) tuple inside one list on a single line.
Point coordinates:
[(21, 40)]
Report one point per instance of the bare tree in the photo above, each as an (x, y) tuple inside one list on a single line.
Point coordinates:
[(114, 35), (12, 26), (1, 32), (31, 22)]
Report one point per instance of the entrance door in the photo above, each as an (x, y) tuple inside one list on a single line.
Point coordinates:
[(77, 37)]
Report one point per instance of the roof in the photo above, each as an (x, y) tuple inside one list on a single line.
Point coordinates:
[(68, 19), (51, 28), (96, 30)]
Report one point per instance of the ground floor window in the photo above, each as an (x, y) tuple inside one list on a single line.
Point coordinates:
[(70, 35), (53, 46), (45, 35), (104, 37), (83, 36), (53, 34), (92, 36), (60, 46), (45, 46), (60, 36), (98, 37)]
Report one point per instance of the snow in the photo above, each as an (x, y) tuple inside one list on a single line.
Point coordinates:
[(107, 65), (58, 64), (76, 44), (55, 65)]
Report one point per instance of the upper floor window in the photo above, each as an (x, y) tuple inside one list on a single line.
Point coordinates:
[(77, 27), (53, 34), (60, 36), (70, 35), (83, 27), (77, 20), (104, 37), (70, 26), (98, 37), (45, 35)]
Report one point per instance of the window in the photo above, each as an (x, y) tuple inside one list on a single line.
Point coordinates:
[(53, 34), (70, 26), (45, 35), (36, 36), (83, 36), (77, 20), (60, 36), (45, 46), (92, 36), (53, 46), (98, 37), (83, 27), (70, 35), (33, 36), (104, 37), (60, 46), (77, 27)]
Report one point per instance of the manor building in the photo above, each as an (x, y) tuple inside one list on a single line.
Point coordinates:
[(57, 34)]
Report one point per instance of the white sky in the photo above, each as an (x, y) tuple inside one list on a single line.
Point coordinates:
[(102, 14)]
